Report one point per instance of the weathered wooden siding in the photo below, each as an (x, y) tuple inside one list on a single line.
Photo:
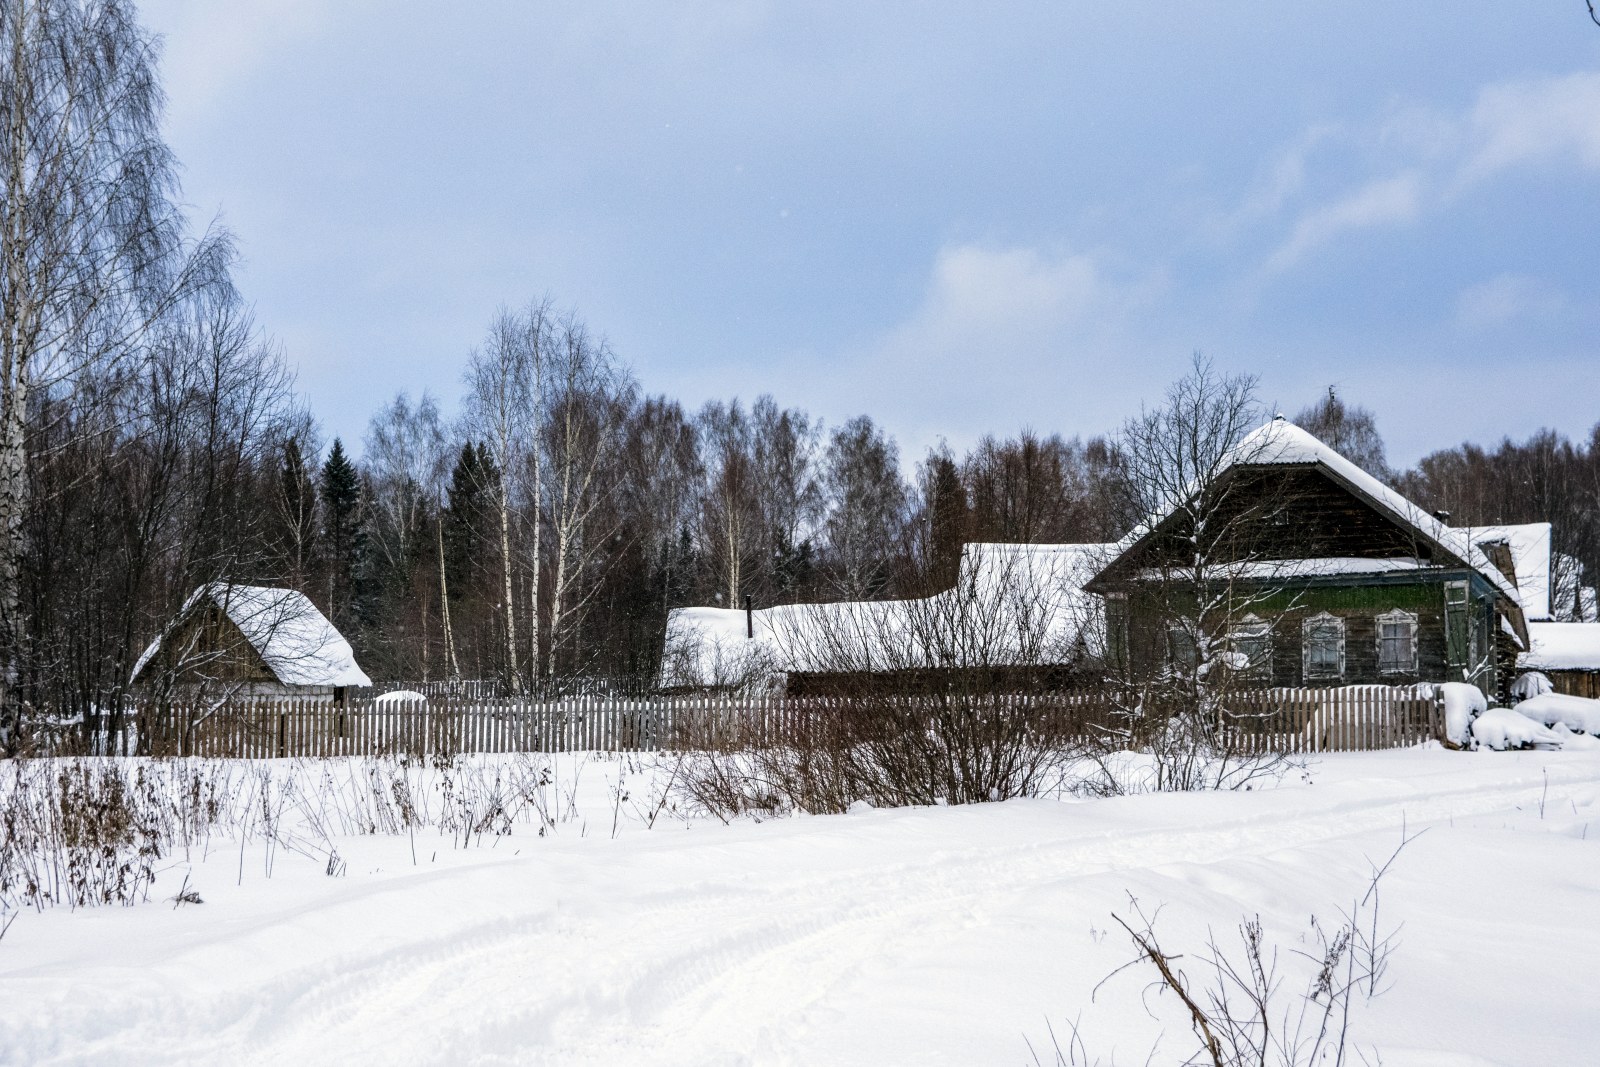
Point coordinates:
[(1576, 683), (1358, 604)]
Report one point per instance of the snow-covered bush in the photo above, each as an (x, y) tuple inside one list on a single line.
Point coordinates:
[(1503, 728), (1578, 714), (1462, 704)]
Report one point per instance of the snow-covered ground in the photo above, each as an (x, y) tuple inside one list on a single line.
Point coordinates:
[(943, 935)]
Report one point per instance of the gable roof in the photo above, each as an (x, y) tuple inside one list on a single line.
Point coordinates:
[(1282, 443), (1029, 597), (295, 641)]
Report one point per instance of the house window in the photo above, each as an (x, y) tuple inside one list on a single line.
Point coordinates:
[(1182, 652), (1456, 626), (1397, 642), (1322, 641), (1250, 641)]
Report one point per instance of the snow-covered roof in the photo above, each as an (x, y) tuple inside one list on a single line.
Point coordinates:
[(1011, 605), (1562, 646), (295, 640), (1530, 556), (1314, 567), (1282, 443)]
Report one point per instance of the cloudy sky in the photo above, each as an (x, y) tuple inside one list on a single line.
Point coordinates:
[(958, 218)]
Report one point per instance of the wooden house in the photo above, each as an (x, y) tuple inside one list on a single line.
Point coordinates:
[(249, 641), (1311, 572)]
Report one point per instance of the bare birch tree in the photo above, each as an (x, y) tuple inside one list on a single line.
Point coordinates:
[(590, 398), (93, 247), (504, 382), (729, 514)]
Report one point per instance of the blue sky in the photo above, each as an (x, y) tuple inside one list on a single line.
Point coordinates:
[(956, 218)]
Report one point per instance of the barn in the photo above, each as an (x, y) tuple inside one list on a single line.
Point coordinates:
[(249, 641), (1016, 613)]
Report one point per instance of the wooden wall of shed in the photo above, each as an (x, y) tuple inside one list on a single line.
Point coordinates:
[(1576, 683), (220, 651)]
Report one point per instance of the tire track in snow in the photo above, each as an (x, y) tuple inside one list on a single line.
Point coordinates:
[(702, 962)]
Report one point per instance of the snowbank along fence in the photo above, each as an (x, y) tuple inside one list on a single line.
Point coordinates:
[(1271, 720)]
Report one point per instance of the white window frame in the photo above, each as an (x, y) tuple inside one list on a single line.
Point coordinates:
[(1306, 627), (1253, 627), (1410, 621)]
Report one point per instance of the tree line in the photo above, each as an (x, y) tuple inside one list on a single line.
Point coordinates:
[(151, 441)]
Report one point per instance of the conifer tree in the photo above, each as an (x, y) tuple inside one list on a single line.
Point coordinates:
[(341, 498)]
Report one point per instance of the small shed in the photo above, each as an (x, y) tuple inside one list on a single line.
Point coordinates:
[(251, 640), (1568, 653)]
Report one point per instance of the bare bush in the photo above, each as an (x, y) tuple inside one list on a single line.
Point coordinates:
[(81, 832), (954, 698), (1253, 1004)]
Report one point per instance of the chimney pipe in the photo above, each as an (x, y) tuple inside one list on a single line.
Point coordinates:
[(749, 618), (1442, 516)]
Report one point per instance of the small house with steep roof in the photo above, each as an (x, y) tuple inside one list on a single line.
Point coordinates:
[(249, 641)]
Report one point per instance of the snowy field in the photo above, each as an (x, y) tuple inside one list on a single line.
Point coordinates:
[(930, 936)]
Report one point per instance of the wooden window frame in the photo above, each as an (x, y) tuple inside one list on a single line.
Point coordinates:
[(1253, 627), (1307, 626), (1397, 615)]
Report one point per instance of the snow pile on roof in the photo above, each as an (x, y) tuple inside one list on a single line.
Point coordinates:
[(1282, 442), (1578, 714), (1012, 605), (296, 641), (1314, 567), (1503, 728), (1530, 558), (1562, 646), (1462, 703)]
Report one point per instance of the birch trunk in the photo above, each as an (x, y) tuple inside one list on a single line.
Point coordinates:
[(514, 679)]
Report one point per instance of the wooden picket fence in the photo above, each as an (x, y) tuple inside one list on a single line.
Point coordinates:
[(1356, 718)]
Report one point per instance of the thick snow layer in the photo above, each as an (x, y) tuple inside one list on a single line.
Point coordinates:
[(1530, 559), (294, 639), (1562, 646), (1462, 701), (930, 936), (1503, 728), (1530, 684), (1316, 567), (395, 696), (1578, 714), (1282, 442), (1011, 604)]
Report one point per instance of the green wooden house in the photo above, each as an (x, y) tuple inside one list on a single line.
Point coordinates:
[(1289, 565)]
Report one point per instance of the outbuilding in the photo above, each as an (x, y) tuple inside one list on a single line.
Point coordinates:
[(236, 641)]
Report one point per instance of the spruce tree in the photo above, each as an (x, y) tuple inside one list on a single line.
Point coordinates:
[(341, 498)]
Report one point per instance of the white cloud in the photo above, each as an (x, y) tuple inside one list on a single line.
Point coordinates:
[(1003, 337), (1384, 202), (979, 295), (1420, 161), (1505, 299), (1532, 122)]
